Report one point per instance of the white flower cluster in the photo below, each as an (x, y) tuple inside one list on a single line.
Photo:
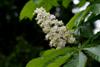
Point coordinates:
[(55, 30)]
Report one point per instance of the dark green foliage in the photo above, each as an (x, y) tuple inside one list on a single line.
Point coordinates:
[(52, 57), (88, 44), (23, 50), (95, 8), (78, 60), (27, 11), (66, 3), (48, 4), (94, 52)]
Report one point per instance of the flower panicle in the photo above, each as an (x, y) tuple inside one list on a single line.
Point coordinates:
[(55, 30)]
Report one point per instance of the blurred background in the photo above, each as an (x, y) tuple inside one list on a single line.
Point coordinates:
[(20, 41)]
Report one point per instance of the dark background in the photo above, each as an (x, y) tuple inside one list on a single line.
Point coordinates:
[(20, 41)]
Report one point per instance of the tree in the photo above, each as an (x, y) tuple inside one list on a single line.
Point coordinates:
[(81, 53)]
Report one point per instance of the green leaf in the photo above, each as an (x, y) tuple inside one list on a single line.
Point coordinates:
[(38, 62), (77, 19), (71, 24), (82, 2), (95, 8), (62, 51), (66, 3), (92, 41), (78, 60), (27, 11), (94, 1), (82, 60), (59, 61), (94, 52), (48, 4), (51, 56), (48, 52)]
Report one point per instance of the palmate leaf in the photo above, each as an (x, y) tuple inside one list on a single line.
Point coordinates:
[(94, 52), (78, 60), (27, 11), (52, 57), (68, 57)]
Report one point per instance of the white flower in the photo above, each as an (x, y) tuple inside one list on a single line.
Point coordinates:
[(52, 17), (55, 30)]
